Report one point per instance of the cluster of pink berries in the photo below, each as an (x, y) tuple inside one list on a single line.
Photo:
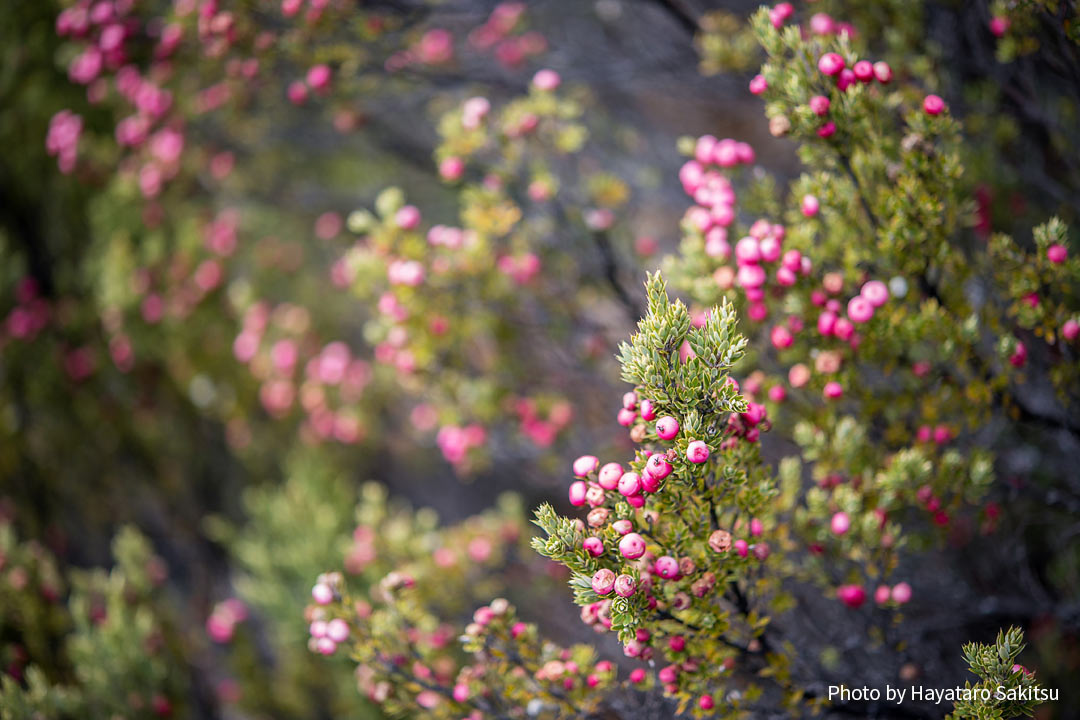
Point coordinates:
[(31, 313), (932, 503), (276, 344), (543, 428), (455, 442), (753, 253)]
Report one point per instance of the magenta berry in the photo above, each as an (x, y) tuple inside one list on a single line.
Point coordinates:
[(933, 105), (629, 484), (322, 594), (585, 465), (901, 593), (999, 25), (625, 586), (882, 72), (756, 528), (864, 71), (1057, 253), (667, 567), (819, 105), (648, 410), (594, 546), (831, 63), (742, 547), (706, 702), (810, 205), (1070, 329), (546, 80), (337, 630), (840, 523), (833, 390), (859, 309), (852, 596), (697, 452), (603, 581), (637, 676), (578, 491), (875, 292), (609, 475), (677, 643), (667, 427), (632, 546), (657, 468), (846, 79), (758, 85)]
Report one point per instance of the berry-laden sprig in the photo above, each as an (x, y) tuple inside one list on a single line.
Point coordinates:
[(671, 555), (1005, 689), (399, 626), (866, 349)]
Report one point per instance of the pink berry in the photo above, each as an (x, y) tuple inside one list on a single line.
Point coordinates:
[(1019, 356), (859, 309), (876, 292), (322, 594), (864, 71), (758, 85), (933, 105), (609, 475), (632, 546), (851, 595), (629, 484), (819, 105), (594, 546), (881, 595), (781, 337), (1057, 253), (777, 393), (833, 390), (901, 593), (677, 643), (810, 206), (625, 586), (840, 523), (603, 582), (1070, 330), (883, 72), (326, 646), (451, 168), (756, 528), (742, 547), (667, 427), (637, 676), (337, 630), (585, 465), (625, 417), (318, 77), (657, 468), (623, 526), (667, 567), (297, 92), (705, 702), (697, 452), (999, 25), (407, 218), (831, 63), (846, 79), (546, 80), (578, 492), (647, 409)]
